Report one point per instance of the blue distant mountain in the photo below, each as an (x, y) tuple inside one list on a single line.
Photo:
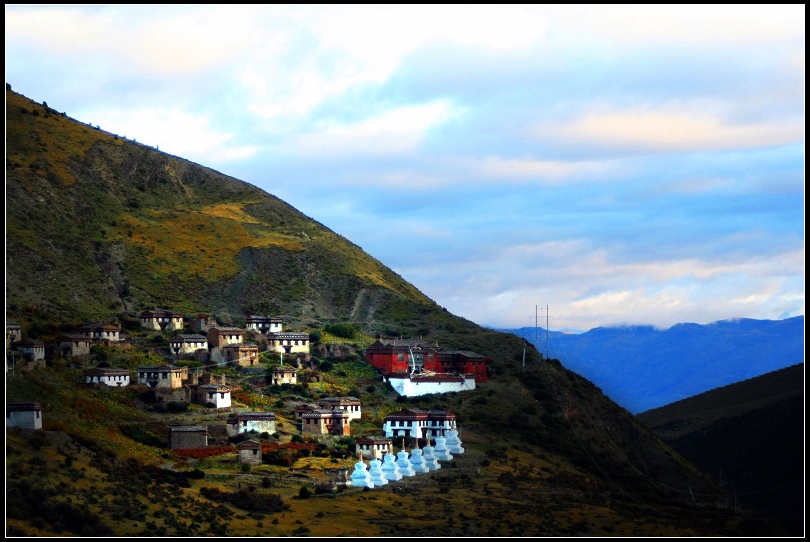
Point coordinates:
[(641, 367)]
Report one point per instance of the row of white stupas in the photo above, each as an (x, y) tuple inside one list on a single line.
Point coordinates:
[(421, 460)]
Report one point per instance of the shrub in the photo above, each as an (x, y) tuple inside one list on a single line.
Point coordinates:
[(346, 331), (177, 406)]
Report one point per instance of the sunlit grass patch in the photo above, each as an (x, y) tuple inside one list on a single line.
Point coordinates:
[(198, 243)]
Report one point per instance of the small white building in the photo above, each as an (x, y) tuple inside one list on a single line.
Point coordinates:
[(24, 414), (424, 384), (109, 376), (264, 324), (217, 394), (423, 424)]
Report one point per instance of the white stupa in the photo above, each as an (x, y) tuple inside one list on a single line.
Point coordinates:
[(361, 476), (440, 451), (430, 458), (405, 466), (390, 468), (418, 461), (376, 475), (453, 442)]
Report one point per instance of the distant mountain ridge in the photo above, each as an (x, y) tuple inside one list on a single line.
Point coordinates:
[(641, 367)]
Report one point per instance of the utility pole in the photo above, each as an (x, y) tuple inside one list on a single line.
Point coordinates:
[(535, 329)]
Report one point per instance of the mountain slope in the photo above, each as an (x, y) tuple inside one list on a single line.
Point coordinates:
[(97, 225), (750, 434), (101, 228), (675, 363)]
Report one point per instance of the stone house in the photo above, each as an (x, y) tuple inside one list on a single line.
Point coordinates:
[(203, 323), (162, 376), (241, 355), (283, 374), (72, 345), (183, 437), (249, 452), (325, 422), (13, 334), (246, 422), (221, 336), (31, 349), (217, 394), (24, 414), (349, 404)]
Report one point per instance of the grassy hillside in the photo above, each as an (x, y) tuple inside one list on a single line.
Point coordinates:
[(749, 435), (101, 228), (98, 225)]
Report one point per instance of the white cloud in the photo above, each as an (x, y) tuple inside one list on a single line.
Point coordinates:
[(175, 131), (672, 128), (684, 25), (549, 171), (393, 132)]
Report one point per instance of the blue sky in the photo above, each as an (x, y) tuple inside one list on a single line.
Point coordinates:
[(618, 165)]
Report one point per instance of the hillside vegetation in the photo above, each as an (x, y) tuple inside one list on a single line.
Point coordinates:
[(100, 228), (750, 435)]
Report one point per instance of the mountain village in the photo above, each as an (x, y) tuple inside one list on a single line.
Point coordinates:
[(411, 367)]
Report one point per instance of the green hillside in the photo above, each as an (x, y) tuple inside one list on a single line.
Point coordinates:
[(100, 228), (750, 435)]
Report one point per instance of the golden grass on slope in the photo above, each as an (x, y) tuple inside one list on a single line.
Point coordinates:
[(56, 138), (202, 242)]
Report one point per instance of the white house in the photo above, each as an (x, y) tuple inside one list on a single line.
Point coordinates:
[(419, 423), (423, 384), (108, 376), (264, 324), (217, 394), (24, 414)]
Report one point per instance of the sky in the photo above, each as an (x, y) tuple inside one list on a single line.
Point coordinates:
[(582, 165)]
